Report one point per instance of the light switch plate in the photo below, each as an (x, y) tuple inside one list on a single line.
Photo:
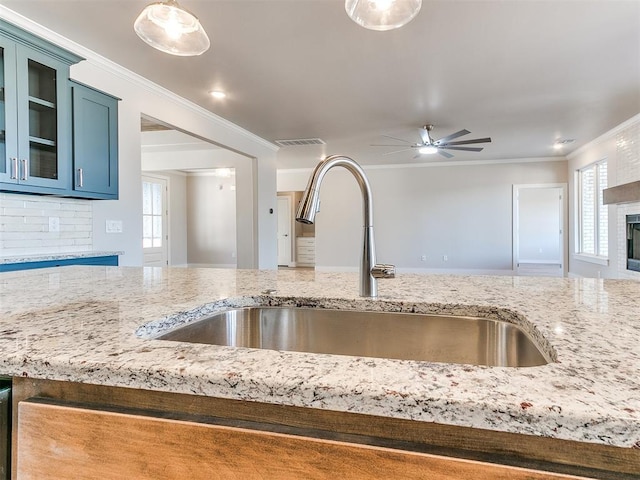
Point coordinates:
[(113, 226)]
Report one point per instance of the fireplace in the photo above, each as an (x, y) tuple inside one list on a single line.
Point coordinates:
[(633, 242)]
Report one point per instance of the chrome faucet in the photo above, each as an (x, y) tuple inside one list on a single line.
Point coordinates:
[(369, 270)]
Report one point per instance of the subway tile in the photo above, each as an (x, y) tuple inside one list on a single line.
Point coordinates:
[(22, 243), (42, 220), (11, 203), (23, 212), (21, 227), (11, 220), (42, 205)]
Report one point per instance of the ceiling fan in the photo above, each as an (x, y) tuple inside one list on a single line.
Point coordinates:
[(427, 145)]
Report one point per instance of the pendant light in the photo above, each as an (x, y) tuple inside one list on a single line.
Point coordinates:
[(382, 14), (170, 28)]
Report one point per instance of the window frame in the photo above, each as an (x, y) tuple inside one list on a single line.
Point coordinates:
[(601, 225)]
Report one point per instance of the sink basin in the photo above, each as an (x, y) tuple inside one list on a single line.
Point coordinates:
[(404, 336)]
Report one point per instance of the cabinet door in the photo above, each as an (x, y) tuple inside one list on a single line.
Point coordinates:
[(95, 143), (8, 113), (44, 120)]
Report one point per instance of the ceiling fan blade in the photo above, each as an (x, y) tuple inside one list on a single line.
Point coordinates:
[(396, 138), (451, 137), (397, 151), (386, 145), (445, 154), (466, 149), (424, 136), (467, 142)]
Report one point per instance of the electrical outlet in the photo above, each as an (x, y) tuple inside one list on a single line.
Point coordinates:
[(54, 224), (423, 258), (445, 258)]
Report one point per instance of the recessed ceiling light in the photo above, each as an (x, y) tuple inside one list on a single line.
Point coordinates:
[(558, 144), (217, 94)]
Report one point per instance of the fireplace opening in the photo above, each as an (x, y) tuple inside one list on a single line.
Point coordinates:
[(633, 242)]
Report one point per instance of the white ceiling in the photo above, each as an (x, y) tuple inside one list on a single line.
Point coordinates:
[(522, 72)]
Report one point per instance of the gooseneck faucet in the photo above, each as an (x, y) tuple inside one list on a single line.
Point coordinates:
[(369, 270)]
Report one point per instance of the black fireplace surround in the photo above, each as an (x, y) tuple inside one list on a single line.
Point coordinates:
[(633, 242)]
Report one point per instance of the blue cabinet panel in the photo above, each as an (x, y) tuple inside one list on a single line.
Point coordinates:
[(95, 143), (109, 260)]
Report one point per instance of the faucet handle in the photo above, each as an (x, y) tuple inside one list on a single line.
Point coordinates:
[(383, 270)]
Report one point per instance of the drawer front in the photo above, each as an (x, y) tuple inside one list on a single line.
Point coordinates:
[(58, 441), (306, 259), (306, 241), (302, 250)]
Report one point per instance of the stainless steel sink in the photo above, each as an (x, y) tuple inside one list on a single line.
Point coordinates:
[(404, 336)]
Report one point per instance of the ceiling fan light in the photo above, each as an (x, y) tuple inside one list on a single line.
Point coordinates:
[(170, 28), (382, 15), (428, 150)]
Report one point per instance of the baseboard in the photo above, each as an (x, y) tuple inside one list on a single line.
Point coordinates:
[(212, 265), (442, 271)]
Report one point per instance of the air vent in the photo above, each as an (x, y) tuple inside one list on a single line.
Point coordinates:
[(298, 142)]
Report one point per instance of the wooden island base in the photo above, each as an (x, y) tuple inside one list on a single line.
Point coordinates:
[(69, 430)]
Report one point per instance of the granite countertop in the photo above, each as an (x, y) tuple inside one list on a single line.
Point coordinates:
[(43, 257), (94, 325)]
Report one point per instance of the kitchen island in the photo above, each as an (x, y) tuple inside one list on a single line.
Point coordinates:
[(95, 326)]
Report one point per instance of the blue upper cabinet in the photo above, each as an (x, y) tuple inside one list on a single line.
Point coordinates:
[(35, 114), (95, 143)]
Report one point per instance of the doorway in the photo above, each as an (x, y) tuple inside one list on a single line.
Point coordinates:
[(539, 225), (196, 167)]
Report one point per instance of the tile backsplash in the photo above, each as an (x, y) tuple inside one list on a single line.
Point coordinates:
[(628, 154), (627, 170), (32, 224)]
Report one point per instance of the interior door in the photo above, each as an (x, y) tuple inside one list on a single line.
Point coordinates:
[(539, 230), (284, 230), (155, 235)]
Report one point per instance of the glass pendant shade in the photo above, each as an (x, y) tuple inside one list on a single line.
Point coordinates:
[(382, 14), (172, 29)]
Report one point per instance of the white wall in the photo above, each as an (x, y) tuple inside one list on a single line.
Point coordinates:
[(141, 96), (621, 148), (463, 212), (211, 220)]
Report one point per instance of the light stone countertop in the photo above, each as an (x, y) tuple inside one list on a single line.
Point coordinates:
[(92, 325), (43, 257)]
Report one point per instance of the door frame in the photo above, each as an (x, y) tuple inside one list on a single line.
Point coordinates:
[(166, 216), (563, 221)]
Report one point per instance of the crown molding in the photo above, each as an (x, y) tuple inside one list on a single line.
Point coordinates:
[(439, 164), (120, 71)]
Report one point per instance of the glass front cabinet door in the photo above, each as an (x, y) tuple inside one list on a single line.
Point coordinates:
[(36, 115), (8, 111)]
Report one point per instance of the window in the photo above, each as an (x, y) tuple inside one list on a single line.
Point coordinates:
[(593, 238)]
